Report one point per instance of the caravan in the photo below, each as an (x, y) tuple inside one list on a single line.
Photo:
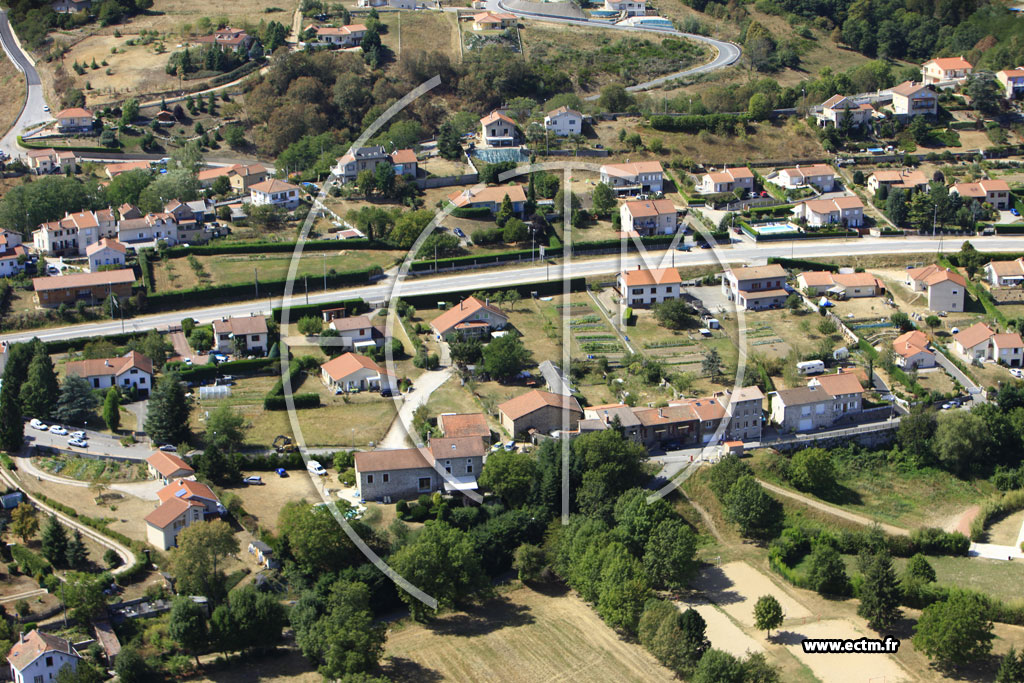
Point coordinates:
[(810, 367)]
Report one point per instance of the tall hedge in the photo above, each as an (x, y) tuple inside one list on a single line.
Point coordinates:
[(694, 123)]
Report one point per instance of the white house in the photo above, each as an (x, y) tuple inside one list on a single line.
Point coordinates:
[(633, 178), (12, 253), (847, 285), (631, 8), (344, 36), (1012, 81), (914, 99), (106, 252), (72, 235), (130, 370), (490, 198), (837, 108), (564, 121), (643, 287), (756, 287), (74, 120), (1008, 349), (820, 176), (252, 330), (973, 343), (152, 227), (648, 217), (1005, 273), (50, 160), (357, 332), (38, 656), (903, 179), (944, 287), (354, 372), (168, 466), (498, 130), (471, 317), (183, 502), (945, 70), (845, 211), (912, 352), (275, 192), (493, 21), (726, 180)]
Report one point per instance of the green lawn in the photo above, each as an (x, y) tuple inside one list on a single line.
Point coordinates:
[(1001, 580)]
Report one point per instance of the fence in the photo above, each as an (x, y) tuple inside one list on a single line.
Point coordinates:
[(447, 181)]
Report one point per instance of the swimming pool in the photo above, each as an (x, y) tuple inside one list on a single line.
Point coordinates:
[(776, 229)]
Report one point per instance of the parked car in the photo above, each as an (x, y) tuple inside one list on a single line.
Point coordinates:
[(168, 448), (458, 233), (78, 443), (255, 479), (316, 468), (1014, 211), (78, 435), (281, 472), (41, 426), (1017, 372), (58, 430), (386, 393)]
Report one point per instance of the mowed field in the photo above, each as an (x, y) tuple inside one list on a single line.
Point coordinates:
[(413, 32), (523, 637), (12, 85)]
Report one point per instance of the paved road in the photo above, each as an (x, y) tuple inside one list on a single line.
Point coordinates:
[(977, 393), (99, 443), (498, 278), (32, 111), (426, 384), (726, 53)]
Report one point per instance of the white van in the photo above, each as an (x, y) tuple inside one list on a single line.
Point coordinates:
[(810, 367), (316, 468)]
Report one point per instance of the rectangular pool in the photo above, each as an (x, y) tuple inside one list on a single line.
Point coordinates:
[(776, 229)]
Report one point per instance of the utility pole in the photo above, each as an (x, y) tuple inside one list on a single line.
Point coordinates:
[(325, 271), (305, 278), (256, 282)]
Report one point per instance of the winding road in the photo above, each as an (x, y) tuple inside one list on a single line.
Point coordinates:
[(32, 112), (726, 53)]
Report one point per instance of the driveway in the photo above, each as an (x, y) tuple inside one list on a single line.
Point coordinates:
[(977, 393), (426, 384), (99, 444), (32, 112)]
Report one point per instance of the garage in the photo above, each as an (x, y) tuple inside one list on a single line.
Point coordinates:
[(806, 425)]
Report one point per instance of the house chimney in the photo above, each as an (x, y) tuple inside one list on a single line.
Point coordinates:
[(22, 637), (661, 413)]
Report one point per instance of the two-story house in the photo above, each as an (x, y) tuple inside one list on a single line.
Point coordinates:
[(74, 120), (13, 253), (151, 228), (107, 253), (445, 464), (643, 287), (43, 161), (460, 425), (350, 35), (73, 234), (648, 217), (993, 192), (820, 176), (839, 110), (37, 657), (92, 288), (470, 317), (1005, 273), (234, 39), (357, 333), (183, 502), (756, 287), (498, 130), (130, 370), (674, 424), (914, 99), (629, 8), (251, 331), (1012, 82), (240, 176), (979, 343), (727, 180), (902, 179), (944, 287), (358, 159), (634, 178), (744, 409), (539, 410), (564, 121), (801, 409), (490, 198), (405, 163), (275, 192), (945, 70), (912, 351), (601, 417), (845, 211)]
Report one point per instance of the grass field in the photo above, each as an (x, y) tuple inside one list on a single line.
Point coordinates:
[(523, 636), (410, 33), (12, 84), (87, 469)]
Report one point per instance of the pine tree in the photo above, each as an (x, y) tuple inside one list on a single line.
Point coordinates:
[(12, 429), (40, 390), (167, 418), (75, 555), (112, 409), (880, 593), (55, 541), (505, 212), (76, 403)]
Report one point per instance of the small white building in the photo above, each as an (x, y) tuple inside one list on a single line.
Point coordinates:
[(945, 70), (37, 657), (630, 8), (912, 351), (43, 161), (106, 252), (838, 108), (275, 192), (183, 502), (130, 370), (726, 180), (12, 253), (972, 343), (1005, 273), (643, 287), (352, 372), (564, 121), (845, 211), (820, 176), (357, 332)]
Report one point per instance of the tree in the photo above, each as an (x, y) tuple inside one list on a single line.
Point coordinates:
[(880, 594), (366, 182), (528, 562), (901, 321), (338, 631), (130, 667), (985, 92), (201, 339), (76, 404), (225, 429), (310, 325), (111, 558), (442, 562), (129, 111), (615, 98), (249, 620), (759, 107), (505, 357), (669, 554), (85, 672), (674, 314), (955, 631), (40, 390), (725, 473), (167, 416), (112, 409), (712, 364), (54, 541), (510, 475), (187, 624), (717, 666), (623, 588), (12, 426), (858, 177), (961, 441), (767, 614), (748, 505), (315, 541), (465, 350), (75, 554), (919, 569), (812, 470), (794, 302), (603, 200), (234, 135), (216, 466), (514, 231), (24, 523), (1011, 667), (827, 571), (195, 563), (221, 185), (505, 211), (914, 435), (448, 142), (82, 593)]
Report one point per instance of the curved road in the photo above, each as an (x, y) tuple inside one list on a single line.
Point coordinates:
[(727, 53), (32, 112)]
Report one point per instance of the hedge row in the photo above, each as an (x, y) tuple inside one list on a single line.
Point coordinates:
[(351, 306), (825, 234), (1006, 504), (234, 75), (1009, 228), (241, 292), (782, 210), (526, 290), (272, 247), (802, 264), (31, 144), (30, 563), (695, 123), (300, 401), (473, 212), (198, 373), (78, 343), (146, 266), (275, 398)]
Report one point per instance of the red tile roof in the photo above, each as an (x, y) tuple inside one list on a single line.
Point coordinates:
[(105, 277), (458, 313), (347, 363), (532, 401), (34, 644), (168, 464), (467, 424), (657, 276)]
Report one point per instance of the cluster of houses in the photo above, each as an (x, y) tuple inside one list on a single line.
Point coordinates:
[(183, 500), (349, 166), (979, 343)]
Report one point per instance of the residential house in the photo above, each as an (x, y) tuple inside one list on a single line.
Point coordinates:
[(945, 70), (1012, 81), (264, 554), (344, 36), (276, 193), (1005, 273), (105, 253), (993, 192), (914, 99), (973, 344), (802, 409), (847, 285), (498, 130), (726, 180), (13, 253), (493, 21), (191, 218), (37, 657), (709, 412), (240, 176), (72, 235), (944, 287), (903, 179), (668, 426), (360, 159), (357, 333), (43, 161), (151, 228), (756, 287), (846, 391), (539, 410), (130, 370), (599, 418), (183, 502), (168, 467), (114, 170), (92, 288), (251, 332), (912, 352), (643, 287), (464, 425), (405, 163), (634, 178), (1007, 349), (820, 176), (74, 120), (845, 211), (490, 198), (126, 211), (164, 116), (744, 408), (564, 121), (351, 372), (228, 38), (70, 6), (471, 317), (629, 8), (448, 464), (648, 217), (839, 109)]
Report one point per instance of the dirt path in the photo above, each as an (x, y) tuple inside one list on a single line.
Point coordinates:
[(833, 510), (962, 523)]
